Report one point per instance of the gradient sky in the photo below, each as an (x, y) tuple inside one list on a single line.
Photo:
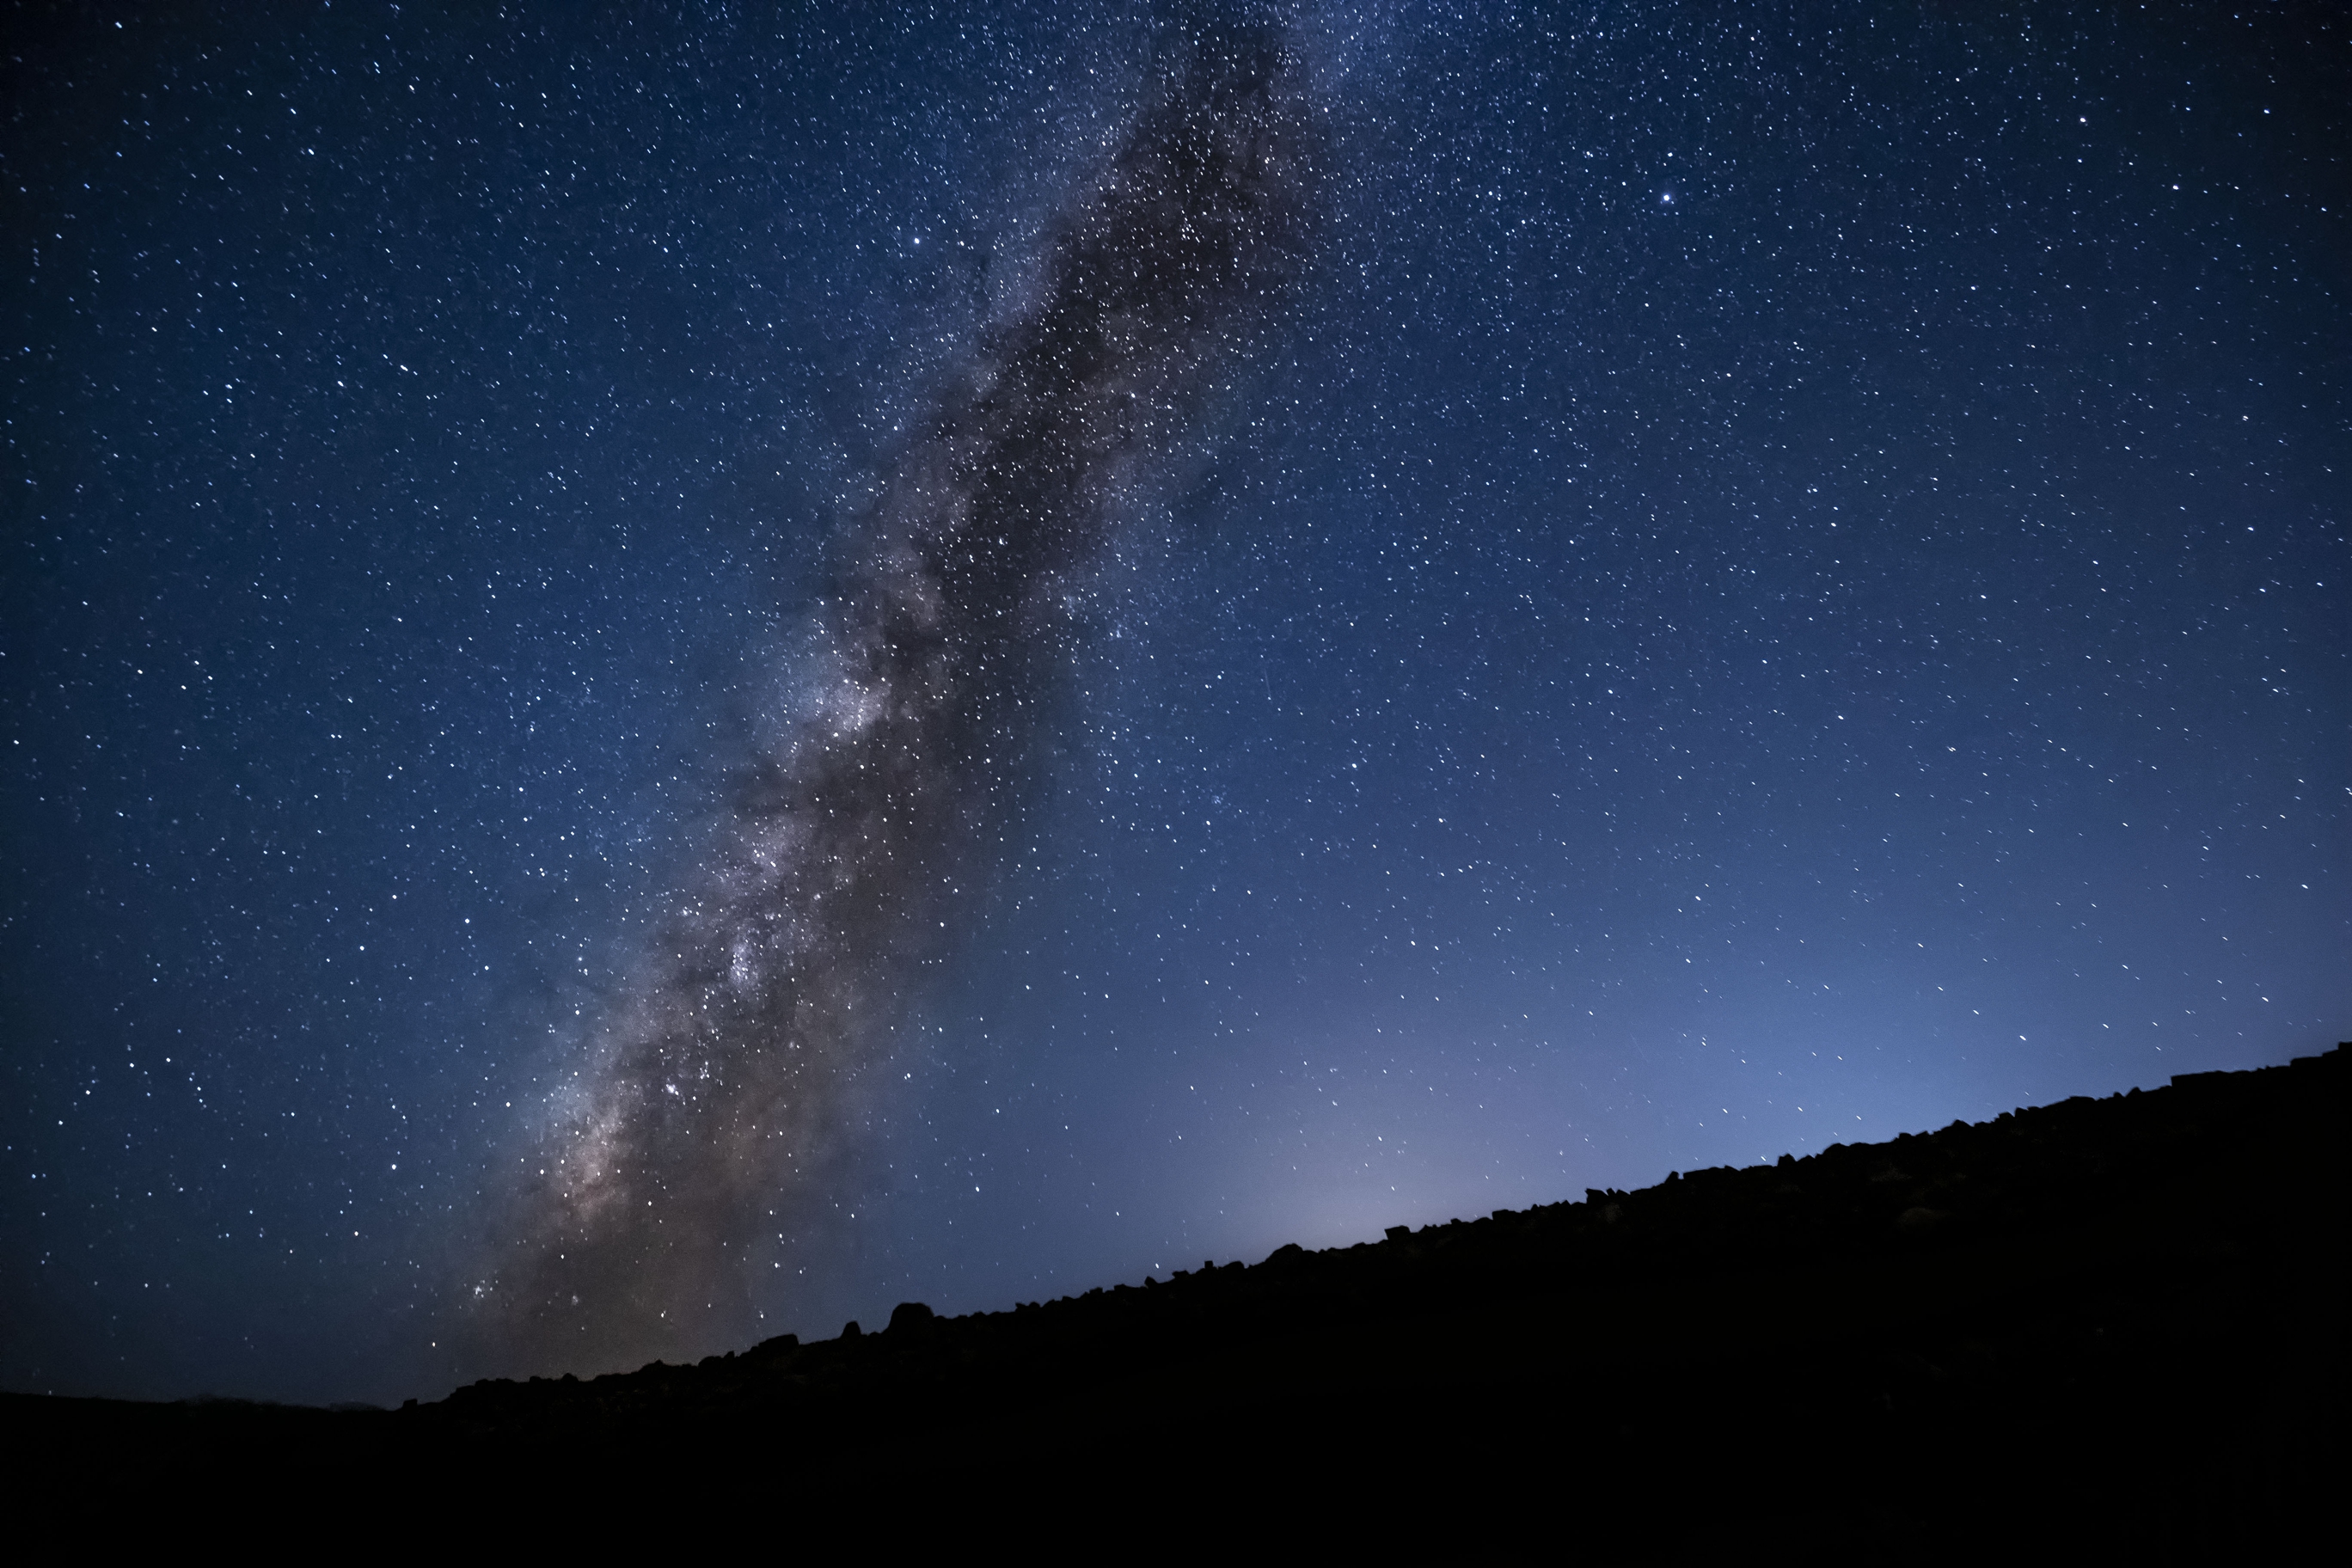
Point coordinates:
[(1781, 580)]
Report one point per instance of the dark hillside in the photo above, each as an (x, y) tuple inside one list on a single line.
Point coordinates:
[(2115, 1321)]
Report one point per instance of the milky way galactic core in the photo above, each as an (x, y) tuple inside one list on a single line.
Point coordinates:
[(719, 1086)]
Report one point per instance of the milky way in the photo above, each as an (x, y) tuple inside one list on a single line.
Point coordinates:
[(727, 1070), (670, 514)]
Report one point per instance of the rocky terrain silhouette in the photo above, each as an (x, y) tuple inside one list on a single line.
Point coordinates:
[(2111, 1325)]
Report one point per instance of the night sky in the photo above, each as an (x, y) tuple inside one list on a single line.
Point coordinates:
[(671, 677)]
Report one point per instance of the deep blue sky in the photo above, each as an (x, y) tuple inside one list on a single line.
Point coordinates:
[(1781, 580)]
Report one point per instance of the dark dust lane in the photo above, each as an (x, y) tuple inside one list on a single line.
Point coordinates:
[(729, 1069)]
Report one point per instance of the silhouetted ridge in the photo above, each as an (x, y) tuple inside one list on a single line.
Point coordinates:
[(2115, 1319)]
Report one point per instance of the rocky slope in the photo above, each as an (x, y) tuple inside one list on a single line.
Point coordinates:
[(2113, 1323)]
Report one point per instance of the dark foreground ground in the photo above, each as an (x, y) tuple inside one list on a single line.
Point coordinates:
[(2111, 1326)]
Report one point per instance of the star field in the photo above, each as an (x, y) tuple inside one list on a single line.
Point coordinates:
[(1763, 580)]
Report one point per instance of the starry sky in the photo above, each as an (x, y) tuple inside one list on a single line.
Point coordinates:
[(1413, 610)]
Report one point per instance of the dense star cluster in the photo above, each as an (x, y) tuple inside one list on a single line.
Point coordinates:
[(715, 1091), (672, 677)]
